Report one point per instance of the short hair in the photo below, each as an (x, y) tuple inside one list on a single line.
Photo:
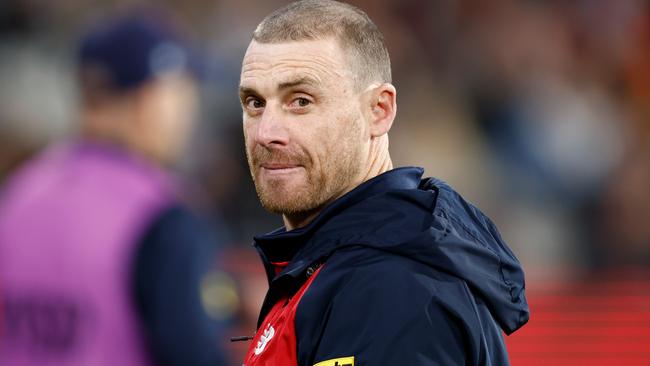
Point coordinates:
[(356, 33)]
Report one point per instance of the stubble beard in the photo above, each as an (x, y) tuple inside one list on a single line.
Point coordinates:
[(320, 186)]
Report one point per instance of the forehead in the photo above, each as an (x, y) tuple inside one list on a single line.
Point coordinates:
[(271, 63)]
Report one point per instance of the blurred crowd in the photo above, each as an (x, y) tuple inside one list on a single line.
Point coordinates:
[(537, 111)]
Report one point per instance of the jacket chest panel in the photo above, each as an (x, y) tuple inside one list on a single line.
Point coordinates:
[(275, 340)]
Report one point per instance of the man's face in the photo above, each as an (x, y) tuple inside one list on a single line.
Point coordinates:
[(306, 139)]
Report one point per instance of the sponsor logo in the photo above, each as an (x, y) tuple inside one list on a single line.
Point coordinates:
[(345, 361), (266, 337)]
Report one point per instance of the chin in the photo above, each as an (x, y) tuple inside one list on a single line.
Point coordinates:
[(286, 199)]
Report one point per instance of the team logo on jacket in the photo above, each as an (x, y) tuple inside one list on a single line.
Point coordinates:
[(345, 361), (269, 332)]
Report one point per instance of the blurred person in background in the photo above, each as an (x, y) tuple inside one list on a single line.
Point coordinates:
[(100, 263), (374, 265)]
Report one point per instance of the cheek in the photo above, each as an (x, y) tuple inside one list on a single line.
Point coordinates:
[(350, 147), (348, 131), (248, 128), (315, 143), (332, 144)]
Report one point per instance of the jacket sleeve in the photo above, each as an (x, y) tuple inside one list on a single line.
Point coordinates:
[(174, 255), (391, 319)]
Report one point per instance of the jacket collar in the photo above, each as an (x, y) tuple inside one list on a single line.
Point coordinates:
[(281, 245)]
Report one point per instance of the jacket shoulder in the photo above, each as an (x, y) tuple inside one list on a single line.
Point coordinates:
[(385, 309), (377, 274)]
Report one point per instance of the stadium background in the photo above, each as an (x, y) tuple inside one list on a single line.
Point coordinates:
[(537, 111)]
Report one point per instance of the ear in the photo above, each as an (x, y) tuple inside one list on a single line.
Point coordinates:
[(383, 108)]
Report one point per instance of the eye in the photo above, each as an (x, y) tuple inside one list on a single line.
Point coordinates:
[(253, 103), (300, 102)]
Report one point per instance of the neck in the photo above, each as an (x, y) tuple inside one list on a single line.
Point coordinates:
[(378, 162), (300, 219)]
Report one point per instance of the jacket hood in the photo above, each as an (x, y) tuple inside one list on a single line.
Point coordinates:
[(423, 219)]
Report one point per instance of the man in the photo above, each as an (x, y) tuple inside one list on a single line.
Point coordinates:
[(374, 265), (99, 262)]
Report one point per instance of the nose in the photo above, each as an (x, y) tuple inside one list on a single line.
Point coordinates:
[(271, 131)]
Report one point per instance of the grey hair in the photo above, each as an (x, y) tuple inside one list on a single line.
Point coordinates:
[(358, 36)]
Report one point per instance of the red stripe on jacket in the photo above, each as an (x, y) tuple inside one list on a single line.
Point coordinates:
[(275, 340)]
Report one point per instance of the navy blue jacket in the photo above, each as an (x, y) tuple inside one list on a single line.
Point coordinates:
[(410, 274)]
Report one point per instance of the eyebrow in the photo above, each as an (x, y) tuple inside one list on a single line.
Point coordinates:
[(244, 90), (305, 80)]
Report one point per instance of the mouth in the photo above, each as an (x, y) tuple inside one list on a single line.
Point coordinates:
[(277, 168)]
